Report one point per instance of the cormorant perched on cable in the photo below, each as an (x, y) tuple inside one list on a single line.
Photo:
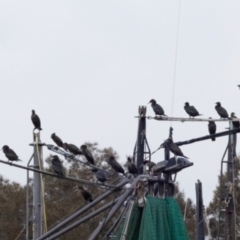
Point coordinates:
[(100, 175), (57, 140), (221, 111), (57, 166), (157, 108), (88, 155), (86, 195), (10, 154), (72, 148), (236, 124), (36, 121), (115, 165), (131, 166), (212, 127), (191, 110), (169, 144)]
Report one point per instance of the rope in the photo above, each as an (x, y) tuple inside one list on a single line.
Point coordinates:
[(42, 187), (20, 232), (175, 62)]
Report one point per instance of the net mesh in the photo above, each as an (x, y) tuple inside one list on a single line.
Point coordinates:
[(160, 219)]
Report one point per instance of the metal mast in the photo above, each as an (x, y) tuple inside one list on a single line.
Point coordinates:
[(199, 212), (37, 188), (139, 150), (230, 213)]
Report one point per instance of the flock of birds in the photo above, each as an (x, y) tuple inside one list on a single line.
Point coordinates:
[(193, 112), (73, 149), (132, 169)]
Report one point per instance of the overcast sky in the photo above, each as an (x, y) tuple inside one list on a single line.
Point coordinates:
[(86, 66)]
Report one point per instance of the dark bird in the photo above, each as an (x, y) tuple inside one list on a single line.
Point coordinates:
[(100, 175), (72, 148), (131, 166), (57, 166), (169, 144), (115, 165), (10, 154), (86, 195), (191, 110), (221, 111), (236, 124), (239, 86), (157, 108), (36, 121), (88, 155), (57, 140), (212, 127)]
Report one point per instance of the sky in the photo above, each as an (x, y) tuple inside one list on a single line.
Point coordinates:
[(86, 66)]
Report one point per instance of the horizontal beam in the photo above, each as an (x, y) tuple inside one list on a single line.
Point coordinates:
[(82, 181), (221, 134), (180, 119)]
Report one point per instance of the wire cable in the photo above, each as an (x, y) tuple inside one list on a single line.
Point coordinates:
[(175, 62)]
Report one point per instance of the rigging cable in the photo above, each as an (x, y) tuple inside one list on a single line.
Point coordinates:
[(175, 62)]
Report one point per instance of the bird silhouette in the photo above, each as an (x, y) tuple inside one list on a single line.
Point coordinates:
[(36, 121), (72, 148), (131, 166), (86, 195), (221, 111), (236, 124), (10, 154), (57, 140), (212, 127), (191, 110), (88, 155), (57, 166), (157, 108), (100, 175), (169, 144), (115, 165)]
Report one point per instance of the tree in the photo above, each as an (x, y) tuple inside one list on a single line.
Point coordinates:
[(220, 199)]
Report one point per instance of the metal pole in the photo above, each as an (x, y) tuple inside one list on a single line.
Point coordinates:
[(220, 134), (37, 189), (119, 203), (81, 211), (82, 220), (199, 212), (82, 181), (141, 138), (230, 168), (27, 201)]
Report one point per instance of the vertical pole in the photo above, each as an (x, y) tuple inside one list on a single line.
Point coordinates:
[(167, 176), (141, 139), (230, 168), (199, 212), (27, 201), (37, 193)]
